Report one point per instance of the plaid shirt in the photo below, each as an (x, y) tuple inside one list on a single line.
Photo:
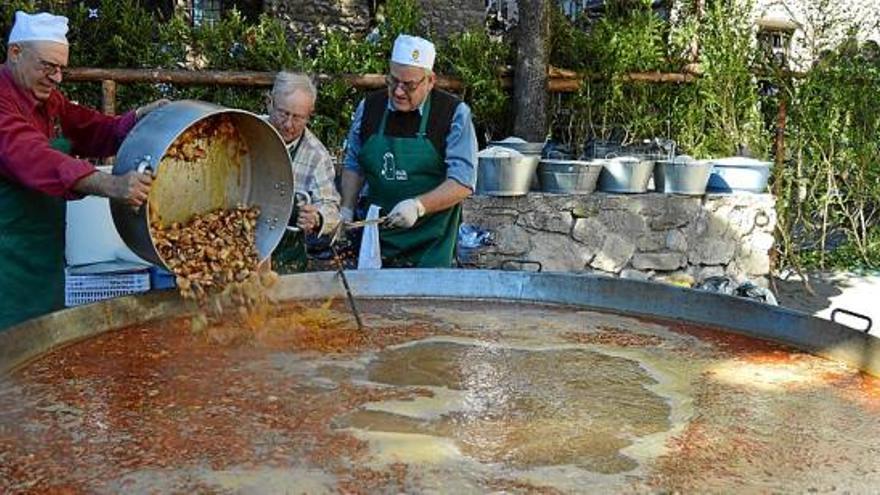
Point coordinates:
[(313, 172)]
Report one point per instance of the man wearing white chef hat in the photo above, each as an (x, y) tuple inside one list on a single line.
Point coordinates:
[(416, 148), (39, 131)]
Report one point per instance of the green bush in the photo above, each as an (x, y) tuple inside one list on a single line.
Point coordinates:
[(474, 58), (829, 203), (717, 115)]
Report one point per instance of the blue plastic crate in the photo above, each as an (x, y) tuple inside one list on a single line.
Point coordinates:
[(162, 279), (88, 288)]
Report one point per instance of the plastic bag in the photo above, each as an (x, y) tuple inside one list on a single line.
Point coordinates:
[(370, 256), (470, 236), (748, 290)]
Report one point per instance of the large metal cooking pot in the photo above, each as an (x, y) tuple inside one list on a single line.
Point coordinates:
[(626, 174), (504, 172), (264, 179), (569, 176), (26, 341)]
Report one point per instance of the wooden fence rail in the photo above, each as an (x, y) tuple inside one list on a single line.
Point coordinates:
[(560, 80)]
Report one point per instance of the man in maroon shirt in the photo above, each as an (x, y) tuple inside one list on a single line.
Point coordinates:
[(39, 131)]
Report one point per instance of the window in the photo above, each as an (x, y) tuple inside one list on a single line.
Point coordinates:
[(206, 11)]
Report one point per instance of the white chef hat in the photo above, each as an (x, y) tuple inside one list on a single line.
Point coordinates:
[(38, 27), (415, 51)]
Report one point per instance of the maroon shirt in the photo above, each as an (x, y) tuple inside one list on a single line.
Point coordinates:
[(27, 126)]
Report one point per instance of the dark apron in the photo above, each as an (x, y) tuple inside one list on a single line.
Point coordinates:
[(398, 168), (290, 255), (32, 228)]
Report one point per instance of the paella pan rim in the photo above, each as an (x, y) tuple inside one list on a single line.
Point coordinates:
[(27, 341)]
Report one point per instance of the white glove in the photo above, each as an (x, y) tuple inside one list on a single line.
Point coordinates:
[(346, 215), (405, 214)]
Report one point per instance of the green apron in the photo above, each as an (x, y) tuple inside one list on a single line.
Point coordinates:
[(32, 228), (290, 255), (398, 168)]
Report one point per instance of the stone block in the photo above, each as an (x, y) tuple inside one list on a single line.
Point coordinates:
[(753, 254), (760, 241), (665, 261), (511, 239), (675, 212), (711, 251), (589, 231), (491, 221), (676, 241), (624, 223), (615, 253), (547, 220), (651, 241), (559, 252), (741, 220)]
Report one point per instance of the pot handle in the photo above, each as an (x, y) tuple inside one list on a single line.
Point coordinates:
[(860, 316), (143, 167), (300, 198)]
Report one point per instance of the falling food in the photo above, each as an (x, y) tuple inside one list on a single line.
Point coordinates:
[(210, 252)]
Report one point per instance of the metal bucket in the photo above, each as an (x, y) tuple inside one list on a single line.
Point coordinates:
[(264, 178), (505, 172), (738, 174), (688, 178), (626, 175), (569, 176), (530, 149)]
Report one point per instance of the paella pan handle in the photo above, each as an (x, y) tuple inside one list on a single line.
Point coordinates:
[(522, 263), (859, 316)]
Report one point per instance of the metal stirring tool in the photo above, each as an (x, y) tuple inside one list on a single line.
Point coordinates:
[(303, 198)]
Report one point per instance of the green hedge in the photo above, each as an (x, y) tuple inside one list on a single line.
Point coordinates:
[(830, 184), (127, 36)]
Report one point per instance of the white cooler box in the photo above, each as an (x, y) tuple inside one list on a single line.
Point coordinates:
[(91, 235)]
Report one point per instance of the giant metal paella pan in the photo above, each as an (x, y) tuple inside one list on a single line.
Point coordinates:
[(464, 382)]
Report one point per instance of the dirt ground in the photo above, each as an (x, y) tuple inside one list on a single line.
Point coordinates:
[(856, 292)]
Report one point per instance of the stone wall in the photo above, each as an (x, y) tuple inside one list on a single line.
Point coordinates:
[(447, 17), (312, 18), (645, 236)]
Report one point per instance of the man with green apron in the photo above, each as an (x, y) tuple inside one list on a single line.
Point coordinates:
[(316, 208), (416, 148), (38, 173)]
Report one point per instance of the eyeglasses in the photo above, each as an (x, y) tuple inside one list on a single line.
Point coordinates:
[(407, 86), (284, 115), (49, 68)]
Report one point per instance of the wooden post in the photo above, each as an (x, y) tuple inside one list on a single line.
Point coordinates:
[(530, 97), (108, 96)]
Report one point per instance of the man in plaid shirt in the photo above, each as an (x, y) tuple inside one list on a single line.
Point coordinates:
[(290, 108)]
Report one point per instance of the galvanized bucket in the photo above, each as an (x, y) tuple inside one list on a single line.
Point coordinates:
[(569, 176), (682, 177), (505, 172), (626, 174)]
